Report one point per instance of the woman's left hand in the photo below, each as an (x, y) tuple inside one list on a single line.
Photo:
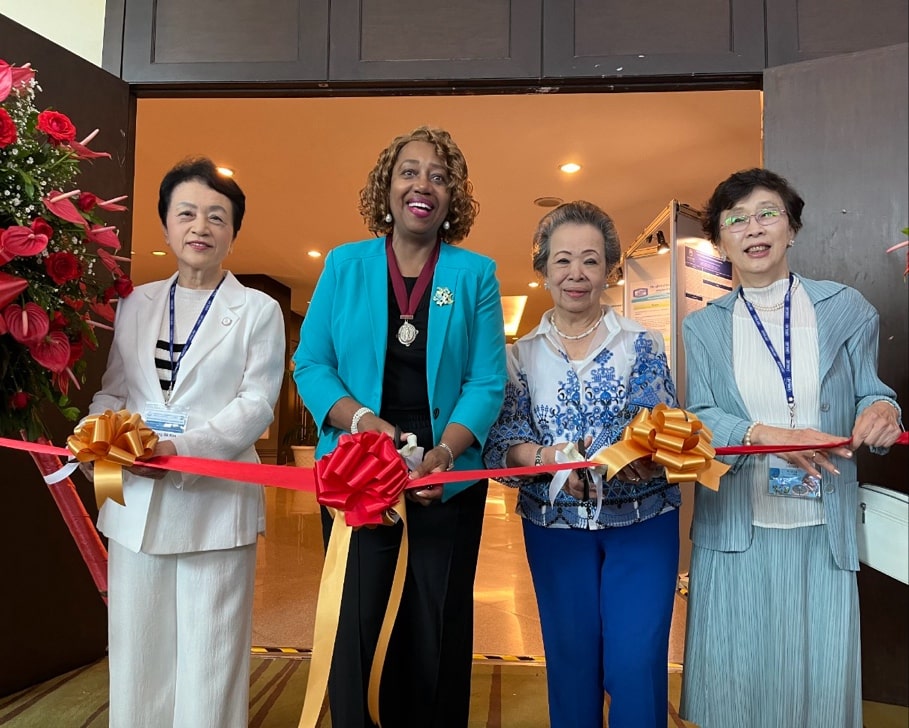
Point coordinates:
[(163, 447), (877, 426), (434, 461), (640, 471)]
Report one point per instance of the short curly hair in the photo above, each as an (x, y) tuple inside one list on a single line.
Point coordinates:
[(463, 208), (579, 212)]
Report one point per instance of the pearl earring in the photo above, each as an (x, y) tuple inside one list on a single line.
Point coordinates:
[(723, 257), (791, 243), (446, 225), (546, 285), (388, 217)]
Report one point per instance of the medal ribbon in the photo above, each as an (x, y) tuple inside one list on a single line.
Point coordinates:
[(785, 368), (407, 306)]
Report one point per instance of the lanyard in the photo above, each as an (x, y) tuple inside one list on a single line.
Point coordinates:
[(175, 365), (784, 366)]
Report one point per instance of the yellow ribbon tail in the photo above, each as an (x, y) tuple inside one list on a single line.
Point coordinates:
[(108, 482), (328, 610), (619, 455)]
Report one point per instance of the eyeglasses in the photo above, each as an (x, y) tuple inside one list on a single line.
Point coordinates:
[(766, 217)]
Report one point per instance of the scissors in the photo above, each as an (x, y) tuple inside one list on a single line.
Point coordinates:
[(584, 474)]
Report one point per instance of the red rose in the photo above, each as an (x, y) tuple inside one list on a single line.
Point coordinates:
[(124, 286), (86, 201), (57, 126), (63, 267), (8, 132), (40, 226), (19, 400)]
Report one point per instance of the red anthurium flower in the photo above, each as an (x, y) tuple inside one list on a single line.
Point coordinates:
[(6, 80), (106, 236), (81, 150), (57, 321), (22, 76), (26, 324), (57, 126), (111, 204), (19, 241), (51, 351), (10, 287), (124, 286), (110, 262), (40, 226), (76, 351), (8, 133), (62, 267), (104, 310), (19, 400), (62, 206)]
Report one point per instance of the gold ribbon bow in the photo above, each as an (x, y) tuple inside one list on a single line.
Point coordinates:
[(112, 440), (675, 439)]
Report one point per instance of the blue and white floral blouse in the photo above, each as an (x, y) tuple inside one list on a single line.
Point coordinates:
[(551, 399)]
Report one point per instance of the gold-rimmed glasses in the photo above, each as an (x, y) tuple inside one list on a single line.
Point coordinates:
[(739, 222)]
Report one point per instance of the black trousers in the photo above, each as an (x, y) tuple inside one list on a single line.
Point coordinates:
[(426, 680)]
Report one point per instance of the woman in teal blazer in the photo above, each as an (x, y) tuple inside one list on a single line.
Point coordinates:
[(773, 623), (405, 333)]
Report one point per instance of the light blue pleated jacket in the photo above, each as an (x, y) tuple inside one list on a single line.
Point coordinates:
[(345, 333), (847, 342)]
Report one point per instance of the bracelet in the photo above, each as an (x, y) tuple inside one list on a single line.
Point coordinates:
[(451, 457), (358, 415), (746, 441), (538, 458)]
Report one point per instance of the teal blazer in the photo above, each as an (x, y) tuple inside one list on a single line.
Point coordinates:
[(344, 336), (847, 327)]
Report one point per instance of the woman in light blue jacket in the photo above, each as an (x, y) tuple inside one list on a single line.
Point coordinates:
[(773, 621)]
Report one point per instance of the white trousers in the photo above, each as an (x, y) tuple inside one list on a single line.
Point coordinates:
[(180, 632)]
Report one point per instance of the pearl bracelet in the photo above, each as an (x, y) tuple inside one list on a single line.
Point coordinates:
[(358, 415), (451, 457), (746, 440)]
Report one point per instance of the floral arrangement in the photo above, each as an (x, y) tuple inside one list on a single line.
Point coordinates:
[(59, 272), (904, 244)]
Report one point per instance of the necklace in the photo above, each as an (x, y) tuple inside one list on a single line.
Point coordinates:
[(407, 305), (775, 306), (575, 337)]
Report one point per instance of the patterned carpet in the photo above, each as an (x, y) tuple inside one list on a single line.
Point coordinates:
[(505, 694)]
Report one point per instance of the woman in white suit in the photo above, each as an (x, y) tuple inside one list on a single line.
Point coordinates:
[(201, 357)]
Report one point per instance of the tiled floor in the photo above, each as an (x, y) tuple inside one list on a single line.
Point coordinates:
[(506, 620)]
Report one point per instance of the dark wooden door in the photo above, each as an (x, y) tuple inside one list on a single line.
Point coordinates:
[(51, 617), (836, 127)]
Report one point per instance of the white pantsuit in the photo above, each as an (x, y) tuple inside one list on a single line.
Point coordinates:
[(182, 549)]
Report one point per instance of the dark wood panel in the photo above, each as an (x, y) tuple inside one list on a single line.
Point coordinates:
[(213, 41), (407, 40), (799, 30), (51, 616), (593, 38)]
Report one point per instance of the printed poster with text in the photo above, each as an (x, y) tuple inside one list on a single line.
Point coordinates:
[(706, 277), (650, 307)]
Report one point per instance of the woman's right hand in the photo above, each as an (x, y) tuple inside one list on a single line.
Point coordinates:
[(811, 461)]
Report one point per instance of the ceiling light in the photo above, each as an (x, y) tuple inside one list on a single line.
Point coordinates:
[(159, 252), (662, 245), (548, 201), (570, 168), (315, 253), (225, 171), (533, 284), (512, 309)]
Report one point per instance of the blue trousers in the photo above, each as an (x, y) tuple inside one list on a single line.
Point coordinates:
[(605, 599)]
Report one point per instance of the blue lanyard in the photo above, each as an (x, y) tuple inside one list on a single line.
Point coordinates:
[(784, 366), (175, 365)]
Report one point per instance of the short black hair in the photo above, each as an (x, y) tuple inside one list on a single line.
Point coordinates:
[(203, 170), (737, 187)]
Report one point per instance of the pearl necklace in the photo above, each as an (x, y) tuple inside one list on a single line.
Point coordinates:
[(575, 337), (775, 306)]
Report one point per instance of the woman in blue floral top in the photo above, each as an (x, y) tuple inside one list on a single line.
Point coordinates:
[(603, 553)]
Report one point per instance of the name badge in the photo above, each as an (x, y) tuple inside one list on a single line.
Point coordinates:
[(791, 482), (166, 421)]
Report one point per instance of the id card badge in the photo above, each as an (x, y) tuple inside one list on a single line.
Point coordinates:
[(166, 421), (791, 482)]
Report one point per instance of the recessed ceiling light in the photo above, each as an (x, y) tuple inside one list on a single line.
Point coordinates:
[(159, 252), (548, 201), (315, 253), (570, 168), (533, 284), (226, 171)]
